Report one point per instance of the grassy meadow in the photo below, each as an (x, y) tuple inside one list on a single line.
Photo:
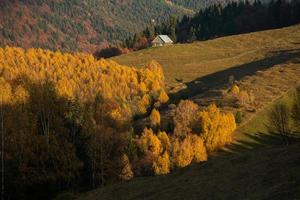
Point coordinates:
[(266, 63), (188, 62)]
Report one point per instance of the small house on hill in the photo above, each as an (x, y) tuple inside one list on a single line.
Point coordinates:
[(161, 40)]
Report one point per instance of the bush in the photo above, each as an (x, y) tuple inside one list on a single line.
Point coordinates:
[(279, 118), (243, 98), (235, 89), (108, 52), (126, 172), (238, 117), (296, 109)]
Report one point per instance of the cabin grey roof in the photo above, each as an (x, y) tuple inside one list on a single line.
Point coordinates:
[(164, 38)]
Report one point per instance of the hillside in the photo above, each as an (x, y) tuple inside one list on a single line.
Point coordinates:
[(188, 62), (78, 25), (268, 67), (86, 26), (233, 176), (74, 120), (237, 172), (265, 64)]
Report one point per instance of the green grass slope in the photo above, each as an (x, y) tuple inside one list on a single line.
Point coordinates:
[(188, 62), (258, 125), (274, 174)]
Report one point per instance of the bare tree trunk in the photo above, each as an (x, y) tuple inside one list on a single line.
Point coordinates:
[(45, 118), (101, 149), (2, 149), (101, 161), (93, 173), (45, 123)]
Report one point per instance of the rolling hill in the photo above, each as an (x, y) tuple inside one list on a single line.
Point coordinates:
[(265, 62), (188, 62)]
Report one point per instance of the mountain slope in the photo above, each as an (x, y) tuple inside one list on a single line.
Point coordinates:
[(83, 25), (257, 165), (76, 24), (245, 176), (188, 62)]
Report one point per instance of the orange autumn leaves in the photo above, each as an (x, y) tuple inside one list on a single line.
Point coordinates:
[(81, 76), (197, 132), (99, 98), (71, 103), (216, 127)]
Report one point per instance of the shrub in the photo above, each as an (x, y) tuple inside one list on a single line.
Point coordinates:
[(279, 118), (296, 109), (235, 89), (243, 98), (108, 52), (238, 117), (126, 173)]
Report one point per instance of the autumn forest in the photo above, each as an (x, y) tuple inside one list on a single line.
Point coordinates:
[(71, 120), (74, 119)]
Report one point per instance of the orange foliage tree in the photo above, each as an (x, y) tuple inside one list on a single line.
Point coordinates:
[(184, 118), (216, 127), (191, 148), (155, 118)]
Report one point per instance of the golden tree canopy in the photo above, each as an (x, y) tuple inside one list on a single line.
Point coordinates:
[(155, 118)]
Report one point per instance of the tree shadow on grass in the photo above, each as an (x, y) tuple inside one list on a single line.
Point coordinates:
[(218, 79), (260, 140)]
